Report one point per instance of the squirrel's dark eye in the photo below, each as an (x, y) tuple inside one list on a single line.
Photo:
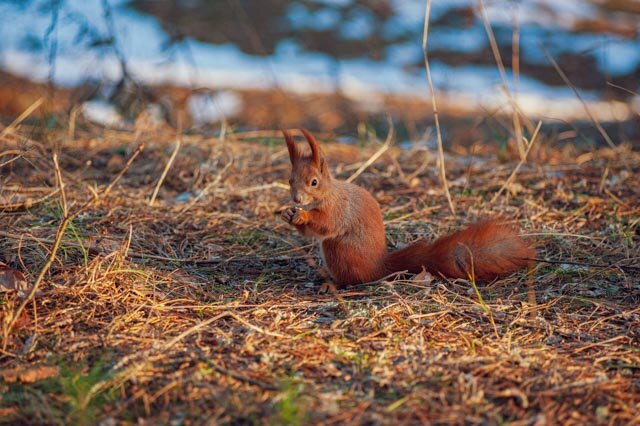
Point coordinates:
[(314, 182)]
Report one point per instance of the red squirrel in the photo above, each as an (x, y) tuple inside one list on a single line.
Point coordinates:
[(347, 221)]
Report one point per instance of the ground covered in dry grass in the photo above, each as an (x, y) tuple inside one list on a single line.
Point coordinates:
[(200, 307)]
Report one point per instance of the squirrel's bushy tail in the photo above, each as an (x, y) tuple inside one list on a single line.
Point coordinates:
[(493, 247)]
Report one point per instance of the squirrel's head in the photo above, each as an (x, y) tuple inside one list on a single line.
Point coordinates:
[(310, 179)]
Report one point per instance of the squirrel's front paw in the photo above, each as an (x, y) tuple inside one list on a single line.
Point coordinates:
[(288, 214), (295, 216)]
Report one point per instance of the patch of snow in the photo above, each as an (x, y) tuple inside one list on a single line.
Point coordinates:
[(102, 113), (213, 108)]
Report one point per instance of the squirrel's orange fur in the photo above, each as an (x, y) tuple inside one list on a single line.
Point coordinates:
[(347, 220)]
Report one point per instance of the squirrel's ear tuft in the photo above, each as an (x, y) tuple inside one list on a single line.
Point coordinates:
[(291, 146), (316, 154)]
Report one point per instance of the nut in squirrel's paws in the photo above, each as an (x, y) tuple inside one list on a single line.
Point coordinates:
[(300, 217)]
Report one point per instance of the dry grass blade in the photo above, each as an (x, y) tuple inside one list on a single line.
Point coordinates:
[(442, 168), (115, 181), (566, 80), (60, 182), (385, 146), (472, 279), (498, 58), (615, 265), (218, 317), (28, 203), (27, 112), (174, 154), (18, 154), (513, 174), (624, 89), (515, 47)]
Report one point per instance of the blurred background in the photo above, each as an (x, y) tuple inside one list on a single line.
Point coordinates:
[(342, 66)]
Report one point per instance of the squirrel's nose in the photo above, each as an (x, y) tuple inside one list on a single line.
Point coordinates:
[(297, 199)]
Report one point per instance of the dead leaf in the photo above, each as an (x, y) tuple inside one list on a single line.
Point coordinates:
[(415, 182), (516, 188), (39, 373), (29, 375), (460, 182), (115, 163), (12, 280), (423, 277), (9, 376), (103, 245), (8, 411), (23, 321)]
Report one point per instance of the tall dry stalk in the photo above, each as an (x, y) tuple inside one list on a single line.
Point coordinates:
[(443, 172), (517, 126), (566, 80)]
